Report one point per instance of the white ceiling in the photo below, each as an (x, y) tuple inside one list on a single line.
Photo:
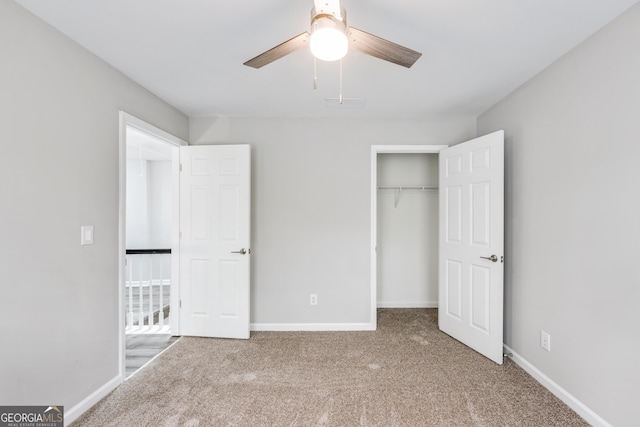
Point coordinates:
[(190, 52)]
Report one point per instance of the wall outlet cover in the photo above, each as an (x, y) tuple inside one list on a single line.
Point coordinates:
[(545, 340)]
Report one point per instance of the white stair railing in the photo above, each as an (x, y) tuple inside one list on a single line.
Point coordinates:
[(147, 287)]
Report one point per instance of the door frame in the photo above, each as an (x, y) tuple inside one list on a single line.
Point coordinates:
[(128, 120), (375, 150)]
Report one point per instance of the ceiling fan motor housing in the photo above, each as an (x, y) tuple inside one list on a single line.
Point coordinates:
[(329, 34)]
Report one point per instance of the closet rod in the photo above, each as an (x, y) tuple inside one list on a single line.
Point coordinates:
[(398, 191)]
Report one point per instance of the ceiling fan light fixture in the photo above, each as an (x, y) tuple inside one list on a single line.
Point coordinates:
[(328, 36), (329, 44), (330, 39)]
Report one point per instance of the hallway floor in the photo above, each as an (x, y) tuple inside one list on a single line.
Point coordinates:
[(141, 348)]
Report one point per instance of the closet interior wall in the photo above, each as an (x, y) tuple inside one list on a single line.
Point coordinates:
[(407, 246)]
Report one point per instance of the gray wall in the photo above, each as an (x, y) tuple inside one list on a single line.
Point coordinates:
[(573, 219), (59, 170), (311, 208)]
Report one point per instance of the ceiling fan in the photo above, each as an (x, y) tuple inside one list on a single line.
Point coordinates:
[(330, 38)]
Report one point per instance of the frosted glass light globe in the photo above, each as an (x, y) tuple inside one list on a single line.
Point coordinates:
[(329, 44)]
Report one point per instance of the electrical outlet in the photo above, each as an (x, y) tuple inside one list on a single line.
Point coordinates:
[(545, 340), (313, 299)]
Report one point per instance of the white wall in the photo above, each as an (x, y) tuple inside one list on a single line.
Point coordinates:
[(573, 219), (160, 204), (149, 204), (137, 215), (311, 208), (59, 170), (407, 231)]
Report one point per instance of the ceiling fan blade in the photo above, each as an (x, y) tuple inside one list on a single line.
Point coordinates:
[(380, 48), (279, 51)]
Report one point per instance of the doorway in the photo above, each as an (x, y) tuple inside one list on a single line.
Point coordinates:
[(419, 189), (407, 230), (148, 285), (470, 239)]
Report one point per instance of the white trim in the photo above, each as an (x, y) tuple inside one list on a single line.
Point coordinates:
[(150, 129), (145, 283), (174, 290), (122, 243), (314, 327), (408, 149), (407, 304), (127, 120), (375, 150), (562, 394), (146, 330), (85, 404)]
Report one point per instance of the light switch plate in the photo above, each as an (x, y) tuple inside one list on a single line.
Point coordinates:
[(86, 235)]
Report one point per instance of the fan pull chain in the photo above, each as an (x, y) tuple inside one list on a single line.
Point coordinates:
[(340, 81), (315, 73)]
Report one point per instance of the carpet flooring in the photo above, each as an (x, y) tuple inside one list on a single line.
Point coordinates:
[(407, 373)]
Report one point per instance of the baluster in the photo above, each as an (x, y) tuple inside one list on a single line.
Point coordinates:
[(140, 295), (150, 318), (161, 302), (129, 261)]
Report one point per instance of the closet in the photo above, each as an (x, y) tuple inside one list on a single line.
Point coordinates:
[(407, 230)]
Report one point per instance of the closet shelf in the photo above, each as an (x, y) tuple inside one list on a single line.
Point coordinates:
[(398, 190), (403, 187)]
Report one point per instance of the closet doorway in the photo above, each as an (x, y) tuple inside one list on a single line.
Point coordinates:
[(404, 222), (470, 249)]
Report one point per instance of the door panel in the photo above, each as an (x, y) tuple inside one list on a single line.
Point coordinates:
[(481, 214), (197, 281), (453, 292), (214, 227), (471, 227), (229, 302), (454, 214)]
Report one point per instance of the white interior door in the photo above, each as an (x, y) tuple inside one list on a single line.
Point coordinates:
[(470, 290), (214, 243)]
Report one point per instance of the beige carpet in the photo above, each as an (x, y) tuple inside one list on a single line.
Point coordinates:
[(407, 373)]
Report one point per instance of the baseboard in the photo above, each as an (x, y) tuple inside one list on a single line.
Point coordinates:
[(290, 327), (562, 394), (407, 304), (74, 413)]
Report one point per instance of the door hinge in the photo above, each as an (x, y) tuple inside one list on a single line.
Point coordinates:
[(180, 303), (180, 167), (180, 234)]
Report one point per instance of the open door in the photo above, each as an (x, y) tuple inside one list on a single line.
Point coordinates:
[(214, 244), (471, 238)]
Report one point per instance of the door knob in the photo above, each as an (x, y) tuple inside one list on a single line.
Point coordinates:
[(241, 251), (492, 258)]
